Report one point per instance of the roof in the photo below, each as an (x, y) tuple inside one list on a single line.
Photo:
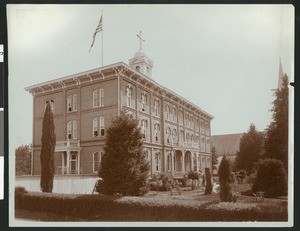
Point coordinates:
[(116, 69), (227, 144)]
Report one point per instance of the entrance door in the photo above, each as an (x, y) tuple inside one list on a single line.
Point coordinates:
[(73, 164)]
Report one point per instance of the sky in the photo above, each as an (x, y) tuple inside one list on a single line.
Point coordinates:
[(223, 58)]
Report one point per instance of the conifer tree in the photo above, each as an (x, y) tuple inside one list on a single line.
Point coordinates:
[(23, 160), (214, 157), (47, 151), (124, 167), (251, 147), (276, 142), (225, 179)]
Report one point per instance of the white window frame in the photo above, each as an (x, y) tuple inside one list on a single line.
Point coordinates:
[(174, 114), (157, 160), (95, 98), (98, 97), (128, 96), (156, 110), (143, 101), (102, 126), (95, 127), (167, 112), (169, 162), (144, 125), (156, 132), (74, 129), (168, 135), (99, 155), (69, 103), (101, 93)]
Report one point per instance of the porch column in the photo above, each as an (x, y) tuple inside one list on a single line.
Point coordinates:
[(63, 163), (68, 160), (78, 162)]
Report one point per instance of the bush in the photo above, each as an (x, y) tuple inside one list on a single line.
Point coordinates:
[(160, 182), (271, 178)]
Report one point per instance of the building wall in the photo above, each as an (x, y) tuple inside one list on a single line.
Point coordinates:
[(185, 127)]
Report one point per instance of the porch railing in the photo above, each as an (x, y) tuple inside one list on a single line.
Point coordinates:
[(64, 170), (61, 145)]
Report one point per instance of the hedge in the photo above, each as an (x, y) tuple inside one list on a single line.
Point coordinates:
[(114, 208)]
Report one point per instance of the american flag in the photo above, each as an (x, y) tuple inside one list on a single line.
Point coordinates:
[(98, 29)]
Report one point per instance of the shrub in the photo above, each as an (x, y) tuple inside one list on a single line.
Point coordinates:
[(270, 178), (225, 178), (208, 188), (19, 191), (160, 182)]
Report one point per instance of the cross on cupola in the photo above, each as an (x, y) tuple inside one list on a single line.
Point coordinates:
[(141, 39), (140, 61)]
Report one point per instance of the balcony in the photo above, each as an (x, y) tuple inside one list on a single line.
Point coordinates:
[(186, 144), (72, 145)]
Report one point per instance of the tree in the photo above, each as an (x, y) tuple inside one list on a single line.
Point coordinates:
[(124, 167), (276, 141), (23, 160), (251, 147), (47, 151), (270, 178), (214, 157), (225, 179), (208, 188)]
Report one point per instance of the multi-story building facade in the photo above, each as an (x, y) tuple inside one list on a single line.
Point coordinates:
[(176, 132)]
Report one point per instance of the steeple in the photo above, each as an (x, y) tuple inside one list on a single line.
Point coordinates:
[(281, 74), (140, 61)]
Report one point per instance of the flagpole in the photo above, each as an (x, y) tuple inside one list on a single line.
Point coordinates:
[(102, 35)]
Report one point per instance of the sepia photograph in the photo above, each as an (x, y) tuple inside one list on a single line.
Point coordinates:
[(151, 115)]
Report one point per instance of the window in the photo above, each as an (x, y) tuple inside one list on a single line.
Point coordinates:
[(167, 112), (157, 158), (156, 132), (169, 159), (180, 117), (191, 122), (202, 144), (202, 127), (144, 125), (51, 105), (98, 126), (181, 135), (128, 96), (208, 146), (72, 102), (174, 136), (187, 120), (174, 114), (97, 157), (102, 128), (72, 130), (168, 133), (95, 127), (187, 137), (156, 112), (98, 97), (144, 101), (137, 68)]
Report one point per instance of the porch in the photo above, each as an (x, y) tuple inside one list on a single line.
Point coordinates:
[(70, 157)]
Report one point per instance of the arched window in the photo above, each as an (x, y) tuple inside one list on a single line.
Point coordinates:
[(167, 112), (202, 144), (98, 97), (144, 125), (169, 161), (156, 132), (187, 119), (98, 126), (156, 108), (174, 114), (143, 101), (157, 161), (72, 130), (181, 136), (174, 136), (128, 96), (180, 117), (168, 134)]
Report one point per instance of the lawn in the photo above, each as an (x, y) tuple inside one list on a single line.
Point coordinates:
[(154, 206)]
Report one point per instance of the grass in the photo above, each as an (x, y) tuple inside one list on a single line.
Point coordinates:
[(161, 206)]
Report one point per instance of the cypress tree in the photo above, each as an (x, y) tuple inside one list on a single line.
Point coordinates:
[(47, 151), (225, 179), (124, 166)]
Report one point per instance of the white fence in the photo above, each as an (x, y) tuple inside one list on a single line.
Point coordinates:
[(61, 184)]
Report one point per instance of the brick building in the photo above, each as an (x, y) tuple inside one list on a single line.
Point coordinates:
[(176, 132)]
